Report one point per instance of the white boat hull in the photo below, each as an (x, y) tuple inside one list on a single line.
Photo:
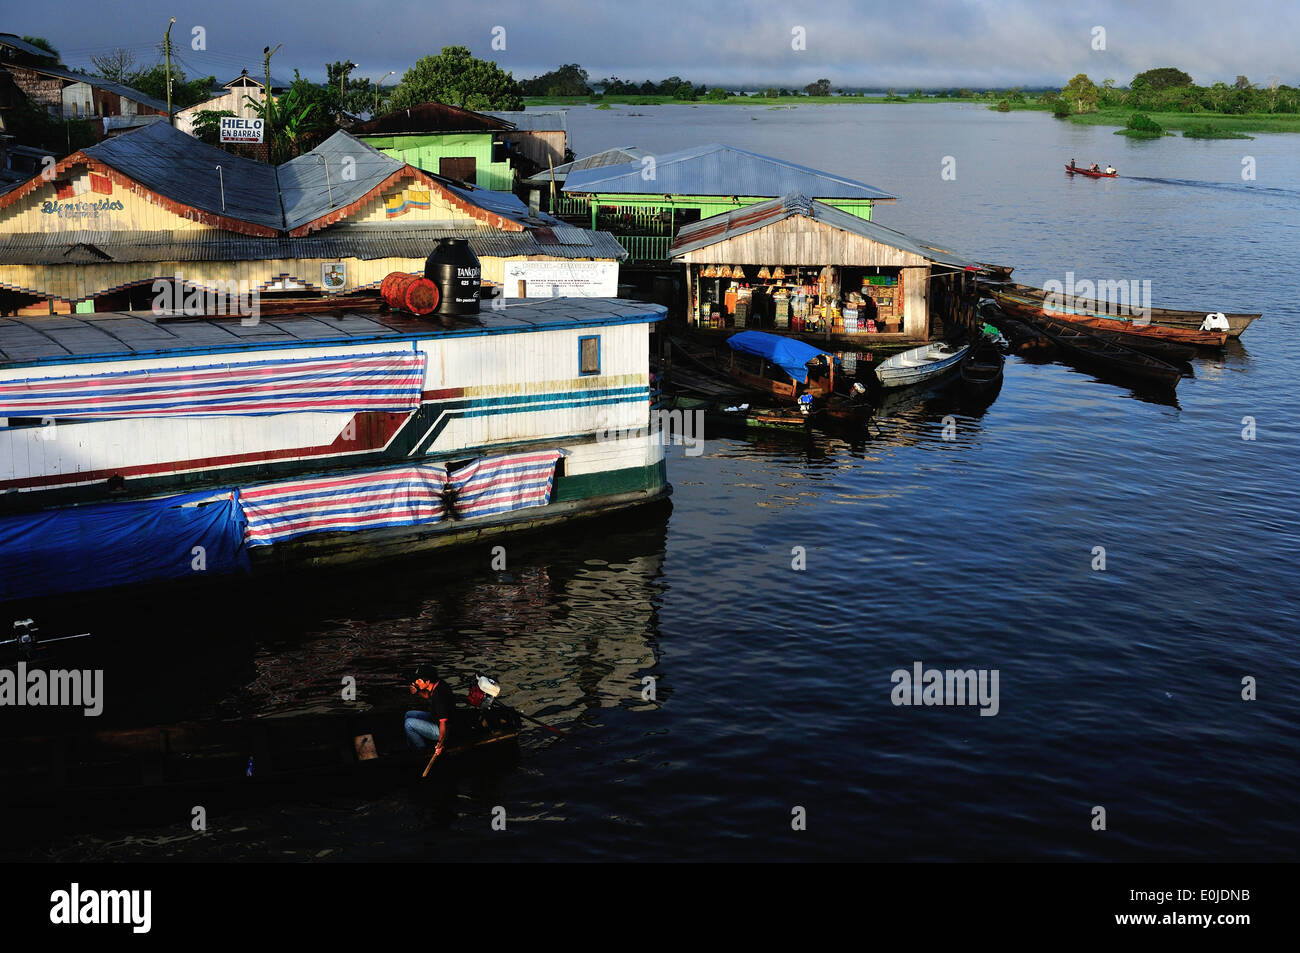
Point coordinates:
[(920, 364)]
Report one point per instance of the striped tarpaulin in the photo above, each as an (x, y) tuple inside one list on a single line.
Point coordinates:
[(349, 383), (498, 484), (403, 496), (397, 497)]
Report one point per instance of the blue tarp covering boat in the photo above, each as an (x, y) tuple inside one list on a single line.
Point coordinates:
[(117, 544), (790, 354)]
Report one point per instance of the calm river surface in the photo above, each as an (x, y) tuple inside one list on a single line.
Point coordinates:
[(1119, 688)]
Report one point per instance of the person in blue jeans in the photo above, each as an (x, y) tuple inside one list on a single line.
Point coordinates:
[(429, 725)]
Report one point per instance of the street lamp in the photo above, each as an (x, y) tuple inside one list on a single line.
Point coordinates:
[(343, 75), (391, 72)]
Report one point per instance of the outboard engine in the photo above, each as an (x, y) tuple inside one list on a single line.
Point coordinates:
[(483, 692)]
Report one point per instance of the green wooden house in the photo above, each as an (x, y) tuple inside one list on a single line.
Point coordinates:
[(644, 203), (456, 143)]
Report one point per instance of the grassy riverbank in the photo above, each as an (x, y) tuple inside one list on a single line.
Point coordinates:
[(638, 100), (1202, 125)]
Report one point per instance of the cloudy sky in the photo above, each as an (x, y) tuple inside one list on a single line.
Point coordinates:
[(904, 43)]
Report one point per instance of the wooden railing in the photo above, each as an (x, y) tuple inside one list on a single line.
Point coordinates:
[(646, 247)]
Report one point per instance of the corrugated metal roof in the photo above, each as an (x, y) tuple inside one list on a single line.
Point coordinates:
[(430, 117), (258, 78), (18, 43), (63, 338), (365, 242), (338, 172), (720, 228), (720, 170), (184, 169), (535, 120), (99, 83), (618, 156)]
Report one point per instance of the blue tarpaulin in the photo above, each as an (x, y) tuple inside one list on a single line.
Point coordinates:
[(117, 544), (790, 353)]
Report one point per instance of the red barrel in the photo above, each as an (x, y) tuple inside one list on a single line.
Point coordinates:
[(412, 293)]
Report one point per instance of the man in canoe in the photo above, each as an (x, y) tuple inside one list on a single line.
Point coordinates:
[(1095, 168), (430, 724), (1110, 170)]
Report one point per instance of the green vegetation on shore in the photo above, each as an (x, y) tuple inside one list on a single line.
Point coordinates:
[(1166, 97)]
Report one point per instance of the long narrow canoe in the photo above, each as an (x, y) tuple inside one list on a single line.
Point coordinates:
[(1166, 317), (1104, 356), (1169, 351), (1193, 337), (1075, 170)]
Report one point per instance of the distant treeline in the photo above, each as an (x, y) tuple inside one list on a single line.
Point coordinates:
[(1170, 90), (1165, 89)]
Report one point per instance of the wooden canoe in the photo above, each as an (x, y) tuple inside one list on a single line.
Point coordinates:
[(1075, 170), (1186, 336), (1026, 340), (743, 417), (981, 372), (219, 755), (1168, 351), (1165, 317), (1095, 353)]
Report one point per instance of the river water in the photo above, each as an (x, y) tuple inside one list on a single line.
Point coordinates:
[(1118, 688)]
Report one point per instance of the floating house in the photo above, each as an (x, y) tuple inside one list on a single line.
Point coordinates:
[(155, 203), (136, 449), (800, 266), (644, 203)]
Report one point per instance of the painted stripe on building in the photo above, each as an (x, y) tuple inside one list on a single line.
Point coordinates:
[(390, 382)]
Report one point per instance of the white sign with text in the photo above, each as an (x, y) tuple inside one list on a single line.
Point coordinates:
[(562, 279), (235, 129)]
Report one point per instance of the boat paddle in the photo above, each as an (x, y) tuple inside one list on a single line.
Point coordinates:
[(542, 723)]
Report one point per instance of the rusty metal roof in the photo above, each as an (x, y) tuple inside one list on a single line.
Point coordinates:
[(719, 170), (98, 82), (727, 225), (534, 120), (430, 117)]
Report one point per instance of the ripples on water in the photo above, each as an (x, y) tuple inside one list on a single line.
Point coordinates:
[(1118, 688)]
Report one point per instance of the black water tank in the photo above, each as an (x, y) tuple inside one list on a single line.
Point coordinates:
[(455, 269)]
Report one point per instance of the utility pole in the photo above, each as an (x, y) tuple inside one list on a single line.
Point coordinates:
[(377, 85), (343, 75), (268, 127), (167, 52)]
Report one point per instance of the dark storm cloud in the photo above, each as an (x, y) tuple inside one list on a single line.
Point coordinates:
[(925, 43)]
